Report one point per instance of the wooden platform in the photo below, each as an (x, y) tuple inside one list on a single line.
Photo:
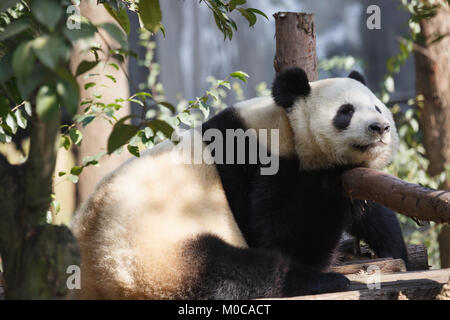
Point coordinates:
[(416, 285), (394, 282)]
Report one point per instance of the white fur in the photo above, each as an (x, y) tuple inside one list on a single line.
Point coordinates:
[(320, 145)]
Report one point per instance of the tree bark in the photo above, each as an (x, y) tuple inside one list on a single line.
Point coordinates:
[(296, 42), (409, 199), (433, 82), (35, 255)]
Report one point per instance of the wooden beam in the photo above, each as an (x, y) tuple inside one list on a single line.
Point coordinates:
[(406, 198), (385, 265), (417, 285)]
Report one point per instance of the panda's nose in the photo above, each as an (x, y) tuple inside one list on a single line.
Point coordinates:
[(379, 128)]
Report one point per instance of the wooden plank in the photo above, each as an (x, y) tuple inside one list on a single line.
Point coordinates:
[(387, 265), (417, 285), (417, 257)]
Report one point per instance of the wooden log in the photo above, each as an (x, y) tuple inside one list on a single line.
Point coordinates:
[(417, 285), (406, 198), (296, 42), (445, 293), (385, 265), (417, 257)]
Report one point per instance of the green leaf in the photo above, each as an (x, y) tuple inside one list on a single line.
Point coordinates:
[(47, 104), (21, 120), (249, 15), (204, 108), (14, 28), (6, 69), (11, 122), (23, 60), (112, 78), (240, 75), (84, 36), (6, 4), (120, 134), (75, 136), (93, 160), (68, 90), (389, 84), (85, 66), (167, 105), (258, 12), (28, 84), (73, 178), (27, 108), (50, 50), (4, 137), (85, 119), (117, 34), (4, 106), (150, 14), (89, 85), (65, 142), (134, 150), (234, 3), (56, 206), (120, 16), (161, 126), (76, 170), (47, 12)]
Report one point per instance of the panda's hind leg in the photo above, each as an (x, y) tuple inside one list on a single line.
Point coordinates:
[(226, 272)]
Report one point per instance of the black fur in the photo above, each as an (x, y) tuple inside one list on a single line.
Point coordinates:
[(298, 215), (289, 85), (357, 76), (227, 272), (343, 117), (378, 109), (379, 228)]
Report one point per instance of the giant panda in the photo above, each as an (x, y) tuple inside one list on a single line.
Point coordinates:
[(160, 228)]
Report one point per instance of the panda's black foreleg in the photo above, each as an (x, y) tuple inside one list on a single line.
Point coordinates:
[(379, 228), (227, 272)]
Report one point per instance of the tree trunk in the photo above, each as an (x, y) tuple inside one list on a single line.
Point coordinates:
[(296, 42), (433, 82), (35, 255), (95, 135)]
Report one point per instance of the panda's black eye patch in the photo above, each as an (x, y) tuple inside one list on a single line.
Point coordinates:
[(343, 116), (378, 109)]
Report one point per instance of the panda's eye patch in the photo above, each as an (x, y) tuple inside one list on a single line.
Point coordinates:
[(343, 116), (347, 109), (378, 109)]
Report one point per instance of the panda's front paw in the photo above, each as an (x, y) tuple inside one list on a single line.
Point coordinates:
[(332, 282)]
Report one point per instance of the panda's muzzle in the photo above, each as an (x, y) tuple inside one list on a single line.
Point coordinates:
[(379, 128), (365, 147)]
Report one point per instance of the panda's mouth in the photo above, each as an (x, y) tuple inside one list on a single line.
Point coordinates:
[(366, 147)]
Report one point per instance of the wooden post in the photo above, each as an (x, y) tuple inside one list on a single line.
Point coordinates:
[(296, 42)]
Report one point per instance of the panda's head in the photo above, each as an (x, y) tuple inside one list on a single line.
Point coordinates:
[(336, 121)]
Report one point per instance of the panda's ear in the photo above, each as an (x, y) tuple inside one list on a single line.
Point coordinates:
[(289, 85), (357, 76)]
